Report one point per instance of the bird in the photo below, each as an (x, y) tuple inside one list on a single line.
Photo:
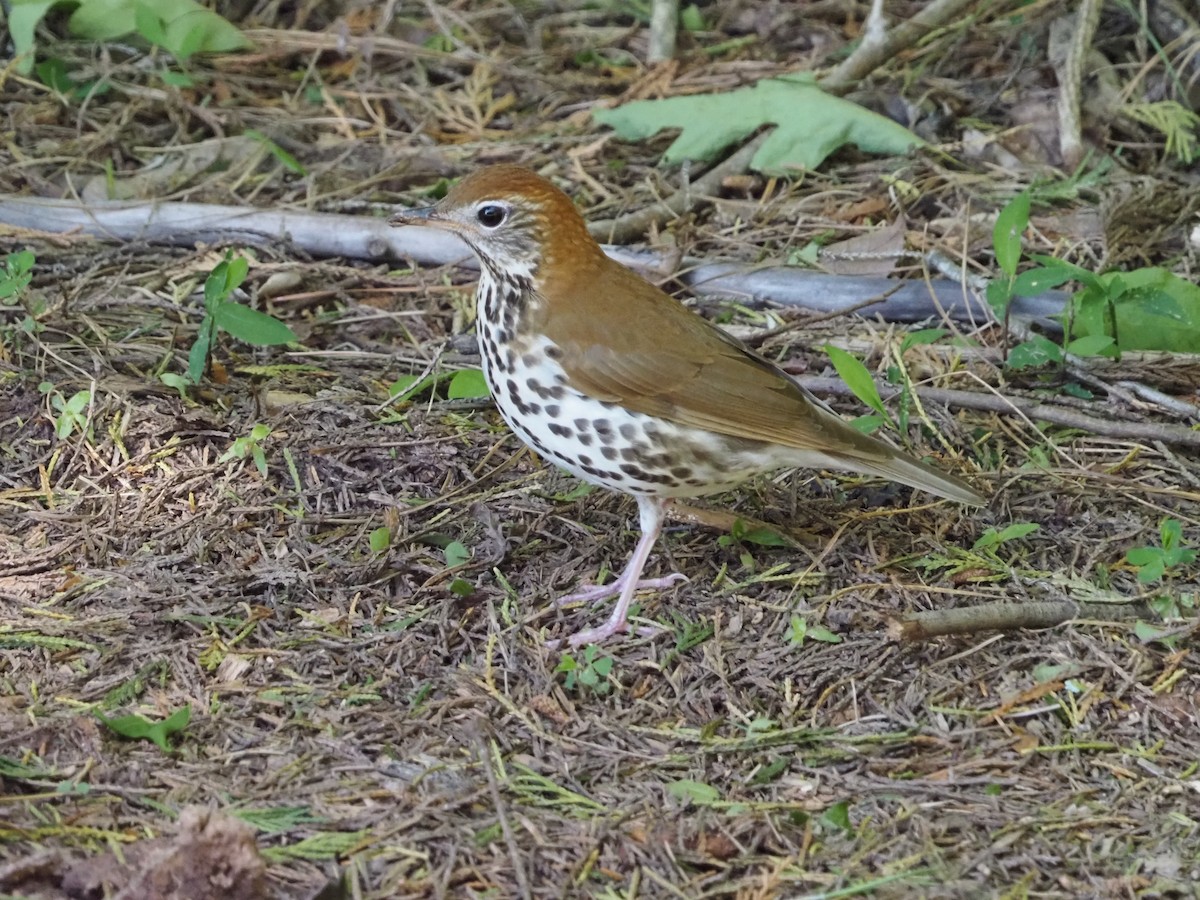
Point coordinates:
[(609, 377)]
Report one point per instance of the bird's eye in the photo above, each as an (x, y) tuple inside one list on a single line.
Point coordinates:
[(491, 216)]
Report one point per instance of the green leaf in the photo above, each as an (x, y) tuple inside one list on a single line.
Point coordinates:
[(185, 27), (838, 817), (139, 728), (696, 792), (1037, 351), (999, 295), (252, 326), (467, 384), (379, 539), (810, 124), (993, 538), (1092, 345), (408, 386), (1006, 234), (1032, 282), (1154, 309), (288, 161), (868, 424), (456, 554), (691, 18), (149, 25), (857, 378), (23, 19), (178, 382), (821, 633), (921, 337)]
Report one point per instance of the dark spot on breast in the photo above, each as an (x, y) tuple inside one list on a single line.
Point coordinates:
[(553, 352), (608, 452), (584, 459), (582, 425), (553, 410), (511, 387), (529, 360), (681, 472), (604, 430), (510, 355), (557, 392), (561, 430), (634, 471), (585, 439), (629, 431), (631, 454)]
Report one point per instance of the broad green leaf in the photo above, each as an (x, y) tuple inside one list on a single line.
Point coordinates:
[(1037, 351), (1155, 310), (408, 386), (252, 326), (1092, 345), (696, 792), (467, 384), (1032, 282), (456, 554), (1006, 234), (811, 124), (185, 26), (857, 378), (379, 539), (921, 337), (23, 18), (1083, 276)]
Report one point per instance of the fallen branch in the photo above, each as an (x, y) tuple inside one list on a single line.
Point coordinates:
[(1179, 435), (926, 624), (363, 237)]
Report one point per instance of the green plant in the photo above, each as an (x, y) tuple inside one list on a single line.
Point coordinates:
[(16, 274), (250, 445), (591, 671), (181, 27), (1144, 309), (221, 313), (464, 384), (1153, 563), (139, 728), (860, 382), (72, 413), (799, 631)]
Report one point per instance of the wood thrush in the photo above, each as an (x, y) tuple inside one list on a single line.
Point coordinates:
[(604, 374)]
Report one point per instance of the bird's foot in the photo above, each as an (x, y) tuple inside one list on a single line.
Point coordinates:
[(604, 591)]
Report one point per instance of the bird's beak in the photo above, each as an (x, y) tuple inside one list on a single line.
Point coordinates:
[(422, 215)]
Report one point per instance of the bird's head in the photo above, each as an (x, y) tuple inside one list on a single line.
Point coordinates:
[(514, 220)]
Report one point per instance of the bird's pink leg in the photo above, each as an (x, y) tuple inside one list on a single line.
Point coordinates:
[(650, 513)]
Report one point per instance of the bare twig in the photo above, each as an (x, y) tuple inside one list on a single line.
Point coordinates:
[(1056, 415), (664, 25), (871, 55), (635, 224), (926, 624)]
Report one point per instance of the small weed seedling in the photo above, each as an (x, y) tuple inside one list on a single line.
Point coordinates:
[(139, 728), (72, 413), (1155, 563), (591, 671), (250, 445), (223, 313), (15, 277), (799, 631)]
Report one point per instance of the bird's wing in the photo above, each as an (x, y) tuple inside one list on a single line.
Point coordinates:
[(640, 348)]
